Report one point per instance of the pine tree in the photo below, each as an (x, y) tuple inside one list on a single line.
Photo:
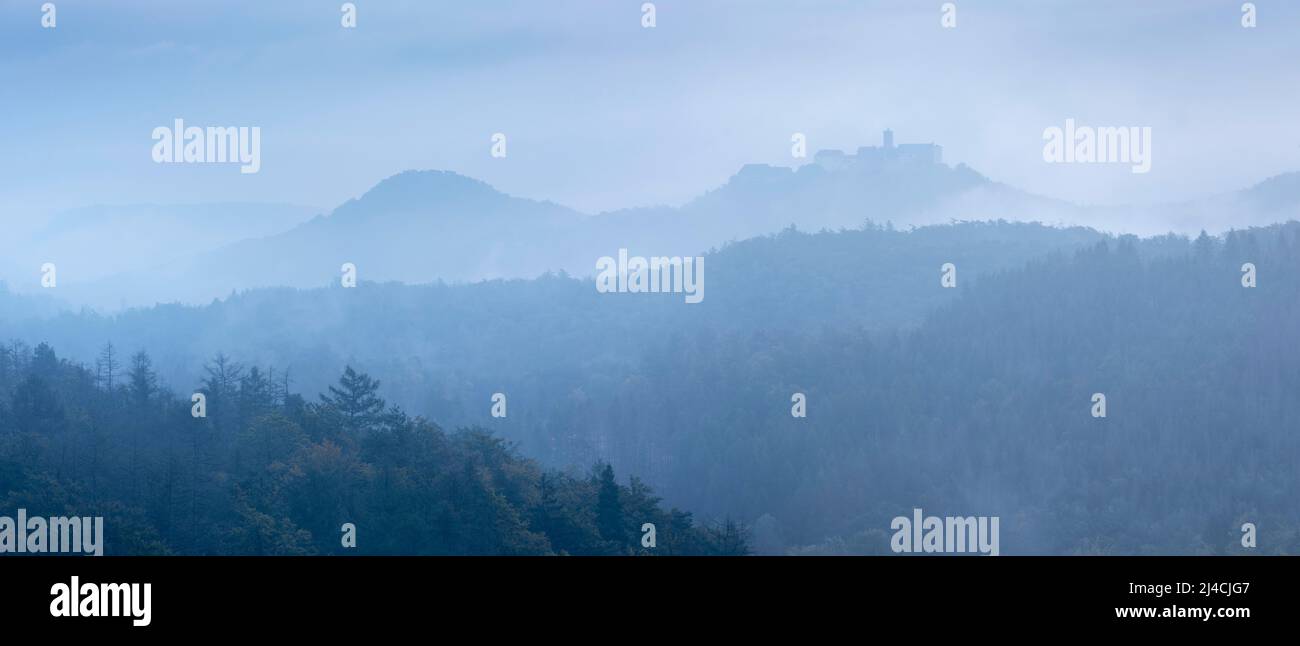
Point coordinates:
[(1204, 247), (44, 363), (355, 400), (143, 382), (221, 385), (107, 367), (609, 509), (256, 396)]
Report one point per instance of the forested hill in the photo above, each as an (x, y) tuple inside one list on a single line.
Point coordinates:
[(267, 472), (974, 400), (986, 409), (415, 338)]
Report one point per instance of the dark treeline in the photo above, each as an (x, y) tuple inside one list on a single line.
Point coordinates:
[(268, 472)]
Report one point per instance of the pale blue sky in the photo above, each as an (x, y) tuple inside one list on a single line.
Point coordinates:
[(602, 114)]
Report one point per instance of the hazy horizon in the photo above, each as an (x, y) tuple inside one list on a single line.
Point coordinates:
[(641, 117)]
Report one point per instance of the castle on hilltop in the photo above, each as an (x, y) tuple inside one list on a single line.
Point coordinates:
[(873, 156)]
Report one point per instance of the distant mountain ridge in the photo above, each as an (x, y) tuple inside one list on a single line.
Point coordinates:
[(1280, 193), (446, 193), (423, 226)]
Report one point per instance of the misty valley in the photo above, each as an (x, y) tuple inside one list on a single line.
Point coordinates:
[(995, 331), (954, 368)]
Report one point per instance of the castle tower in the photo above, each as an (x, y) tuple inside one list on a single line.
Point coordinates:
[(889, 139)]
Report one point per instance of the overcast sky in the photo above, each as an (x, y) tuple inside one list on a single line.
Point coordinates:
[(601, 113)]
